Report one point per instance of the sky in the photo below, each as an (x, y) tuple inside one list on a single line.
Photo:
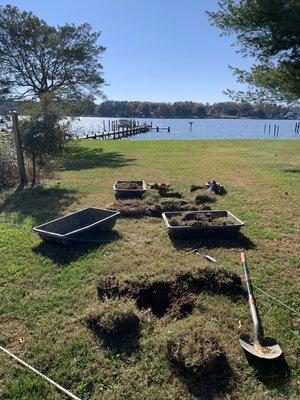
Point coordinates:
[(156, 50)]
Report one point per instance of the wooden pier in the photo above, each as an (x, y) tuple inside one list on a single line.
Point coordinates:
[(115, 131)]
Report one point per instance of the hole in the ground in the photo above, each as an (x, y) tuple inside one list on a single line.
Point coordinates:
[(156, 297)]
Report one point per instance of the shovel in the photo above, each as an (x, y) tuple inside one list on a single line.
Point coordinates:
[(260, 346)]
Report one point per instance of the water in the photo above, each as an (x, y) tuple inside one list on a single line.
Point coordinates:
[(201, 128)]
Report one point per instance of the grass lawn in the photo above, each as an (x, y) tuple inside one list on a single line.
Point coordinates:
[(46, 290)]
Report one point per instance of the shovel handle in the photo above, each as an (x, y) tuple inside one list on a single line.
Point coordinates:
[(257, 326)]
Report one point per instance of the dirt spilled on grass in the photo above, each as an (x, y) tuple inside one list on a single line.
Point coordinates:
[(174, 298), (131, 207), (151, 207)]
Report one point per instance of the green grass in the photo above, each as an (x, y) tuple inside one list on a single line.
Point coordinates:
[(47, 290)]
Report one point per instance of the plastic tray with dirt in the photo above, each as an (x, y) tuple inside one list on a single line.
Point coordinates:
[(201, 223), (129, 188)]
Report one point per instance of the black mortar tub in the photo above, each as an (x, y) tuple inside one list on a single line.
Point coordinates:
[(72, 227), (200, 232)]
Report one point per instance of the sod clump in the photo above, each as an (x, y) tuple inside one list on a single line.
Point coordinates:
[(114, 318), (197, 351), (165, 190), (204, 197), (108, 287), (194, 188)]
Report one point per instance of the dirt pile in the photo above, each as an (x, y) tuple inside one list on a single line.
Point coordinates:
[(204, 197), (165, 190), (196, 220), (152, 207), (158, 185), (169, 192), (194, 188), (130, 207)]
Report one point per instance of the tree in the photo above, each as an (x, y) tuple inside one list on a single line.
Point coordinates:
[(269, 31), (36, 58), (44, 134)]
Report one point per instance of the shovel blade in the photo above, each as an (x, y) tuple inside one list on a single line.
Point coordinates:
[(266, 351)]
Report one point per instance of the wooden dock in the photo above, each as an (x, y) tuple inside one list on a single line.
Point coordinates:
[(116, 132)]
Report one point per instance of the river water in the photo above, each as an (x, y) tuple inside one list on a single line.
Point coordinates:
[(200, 129)]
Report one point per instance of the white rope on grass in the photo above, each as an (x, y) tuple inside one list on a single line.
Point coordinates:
[(65, 391), (277, 300)]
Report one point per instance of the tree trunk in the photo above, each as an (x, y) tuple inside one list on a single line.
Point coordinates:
[(33, 182)]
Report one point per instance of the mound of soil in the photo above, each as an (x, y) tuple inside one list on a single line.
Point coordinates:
[(204, 197), (139, 208), (164, 191), (129, 185), (197, 220), (130, 207), (158, 185), (194, 188)]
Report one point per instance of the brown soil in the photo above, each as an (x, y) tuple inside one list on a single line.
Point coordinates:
[(164, 191), (130, 207), (174, 297), (128, 185), (169, 206), (194, 188), (139, 208), (158, 185), (182, 306), (204, 197), (108, 287), (196, 220)]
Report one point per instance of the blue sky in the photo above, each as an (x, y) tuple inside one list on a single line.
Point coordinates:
[(157, 50)]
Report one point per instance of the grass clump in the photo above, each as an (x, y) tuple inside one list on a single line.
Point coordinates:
[(196, 351), (114, 318)]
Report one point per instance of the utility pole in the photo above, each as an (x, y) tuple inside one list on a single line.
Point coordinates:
[(19, 148)]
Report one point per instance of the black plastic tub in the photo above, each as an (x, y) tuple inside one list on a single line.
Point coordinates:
[(71, 228), (203, 231), (130, 192)]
